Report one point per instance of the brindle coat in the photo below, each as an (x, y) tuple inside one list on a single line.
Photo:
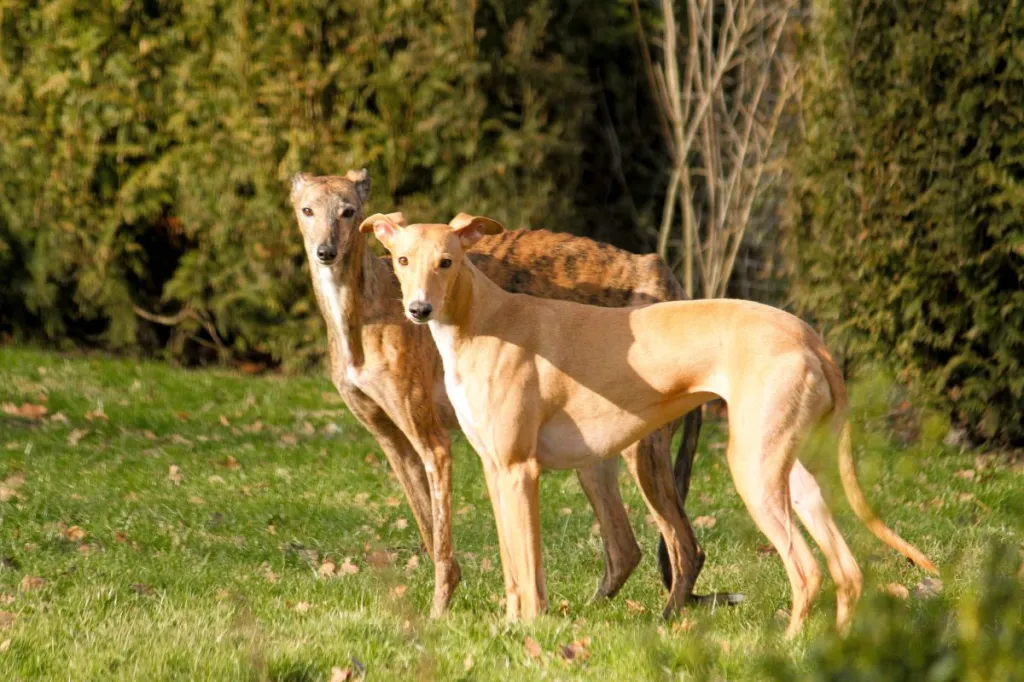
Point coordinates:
[(390, 376)]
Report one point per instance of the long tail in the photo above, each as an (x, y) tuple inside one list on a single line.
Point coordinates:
[(848, 474)]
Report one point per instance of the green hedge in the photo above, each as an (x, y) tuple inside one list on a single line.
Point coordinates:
[(907, 209), (144, 147)]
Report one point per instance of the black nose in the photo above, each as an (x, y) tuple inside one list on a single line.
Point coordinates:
[(420, 310), (326, 252)]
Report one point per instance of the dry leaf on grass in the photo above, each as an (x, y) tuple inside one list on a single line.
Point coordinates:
[(224, 421), (289, 439), (178, 439), (565, 511), (77, 435), (302, 607), (576, 651), (174, 474), (634, 606), (347, 567), (6, 619), (196, 500), (26, 411), (219, 480), (61, 418), (898, 591), (401, 524), (398, 591), (148, 435), (231, 463), (563, 607), (74, 534), (5, 645), (966, 474), (30, 582), (268, 574), (412, 563), (327, 569), (97, 414), (533, 649), (705, 522), (392, 501)]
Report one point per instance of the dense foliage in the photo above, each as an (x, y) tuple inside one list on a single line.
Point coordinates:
[(908, 198), (145, 147)]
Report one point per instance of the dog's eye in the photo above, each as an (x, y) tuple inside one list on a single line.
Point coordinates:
[(446, 262), (348, 212), (402, 260), (307, 211)]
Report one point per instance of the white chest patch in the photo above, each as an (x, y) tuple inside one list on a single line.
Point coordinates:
[(445, 342), (330, 293)]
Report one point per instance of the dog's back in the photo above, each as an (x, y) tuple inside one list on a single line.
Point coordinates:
[(568, 268)]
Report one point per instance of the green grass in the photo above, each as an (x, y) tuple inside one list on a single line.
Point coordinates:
[(215, 576)]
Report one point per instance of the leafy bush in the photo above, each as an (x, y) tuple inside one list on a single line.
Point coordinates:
[(146, 147), (907, 210)]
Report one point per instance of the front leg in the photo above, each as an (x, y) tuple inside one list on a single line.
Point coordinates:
[(447, 573), (519, 490)]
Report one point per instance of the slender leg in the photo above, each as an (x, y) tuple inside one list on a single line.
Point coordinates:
[(519, 486), (494, 490), (600, 482), (438, 463), (405, 461), (814, 513), (651, 470)]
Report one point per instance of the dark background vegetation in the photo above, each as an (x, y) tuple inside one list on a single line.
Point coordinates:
[(145, 147)]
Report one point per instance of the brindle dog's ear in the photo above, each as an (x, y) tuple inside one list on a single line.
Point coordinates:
[(299, 181), (470, 229), (382, 226), (361, 179)]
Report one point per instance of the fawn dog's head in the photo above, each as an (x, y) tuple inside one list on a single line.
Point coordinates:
[(328, 209), (428, 258)]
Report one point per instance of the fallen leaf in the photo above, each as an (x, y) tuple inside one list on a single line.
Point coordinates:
[(966, 474), (533, 649), (120, 537), (392, 501), (289, 439), (5, 645), (398, 591), (563, 607), (224, 421), (98, 413), (74, 534), (341, 674), (379, 558), (255, 427), (705, 522), (634, 606), (6, 619), (268, 574), (149, 435), (29, 583), (219, 480), (928, 588), (898, 591), (327, 569), (308, 428), (401, 524), (271, 529), (26, 411), (578, 650), (412, 563), (231, 463), (196, 500), (183, 416), (60, 417), (565, 511), (302, 607), (174, 474), (76, 435), (349, 568), (178, 439)]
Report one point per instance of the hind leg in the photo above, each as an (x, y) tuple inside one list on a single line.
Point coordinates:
[(814, 513), (650, 467), (761, 479), (600, 482)]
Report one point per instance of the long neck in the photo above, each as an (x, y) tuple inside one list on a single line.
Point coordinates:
[(346, 290), (465, 310)]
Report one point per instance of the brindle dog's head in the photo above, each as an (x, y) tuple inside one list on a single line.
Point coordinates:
[(328, 209), (428, 258)]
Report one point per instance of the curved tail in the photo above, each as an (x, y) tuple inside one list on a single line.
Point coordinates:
[(848, 474)]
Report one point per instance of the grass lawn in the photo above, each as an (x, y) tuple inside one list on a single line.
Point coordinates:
[(157, 523)]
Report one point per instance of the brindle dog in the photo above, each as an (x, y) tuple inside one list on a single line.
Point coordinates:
[(390, 376)]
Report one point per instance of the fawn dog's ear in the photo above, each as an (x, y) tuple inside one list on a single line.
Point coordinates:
[(361, 179), (471, 228), (299, 180), (384, 227)]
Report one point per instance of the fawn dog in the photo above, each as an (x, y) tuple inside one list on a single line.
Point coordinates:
[(390, 376), (538, 383)]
